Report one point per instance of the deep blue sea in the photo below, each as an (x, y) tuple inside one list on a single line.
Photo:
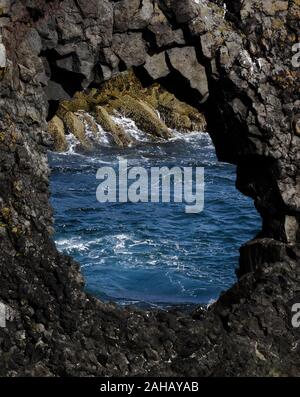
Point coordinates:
[(151, 253)]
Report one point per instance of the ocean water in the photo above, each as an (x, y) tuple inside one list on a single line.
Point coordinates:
[(151, 253)]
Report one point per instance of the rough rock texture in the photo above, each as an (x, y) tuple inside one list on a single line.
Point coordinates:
[(56, 48), (154, 110), (185, 61), (56, 129), (117, 133)]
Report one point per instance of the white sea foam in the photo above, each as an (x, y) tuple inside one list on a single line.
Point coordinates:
[(211, 302), (73, 143), (98, 136), (131, 129), (72, 244), (102, 138), (193, 137)]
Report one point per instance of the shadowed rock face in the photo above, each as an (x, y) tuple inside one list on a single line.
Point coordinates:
[(243, 58)]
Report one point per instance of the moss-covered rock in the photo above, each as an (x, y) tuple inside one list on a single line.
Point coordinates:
[(117, 133), (57, 130), (80, 101), (154, 110), (123, 84), (143, 115), (178, 115), (90, 124), (76, 127)]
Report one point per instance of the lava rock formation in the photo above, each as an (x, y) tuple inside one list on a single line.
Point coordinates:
[(232, 61)]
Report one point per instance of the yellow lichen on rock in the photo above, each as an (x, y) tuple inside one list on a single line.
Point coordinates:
[(76, 127), (80, 101), (123, 84), (143, 115), (117, 133), (176, 114), (89, 122), (154, 110), (57, 130)]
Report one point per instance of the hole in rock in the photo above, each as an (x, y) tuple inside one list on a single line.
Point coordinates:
[(149, 253)]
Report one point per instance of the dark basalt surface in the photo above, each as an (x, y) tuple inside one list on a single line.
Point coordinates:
[(234, 66)]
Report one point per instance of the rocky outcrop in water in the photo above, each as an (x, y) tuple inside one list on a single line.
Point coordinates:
[(230, 60), (154, 110)]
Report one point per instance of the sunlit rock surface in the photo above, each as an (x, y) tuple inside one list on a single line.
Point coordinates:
[(154, 110)]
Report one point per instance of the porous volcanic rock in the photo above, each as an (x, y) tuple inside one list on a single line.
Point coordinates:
[(53, 327)]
